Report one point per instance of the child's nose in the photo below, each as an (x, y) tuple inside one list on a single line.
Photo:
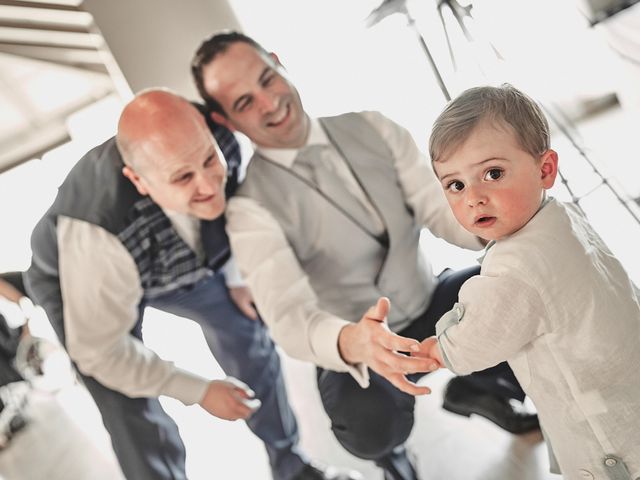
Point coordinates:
[(475, 196)]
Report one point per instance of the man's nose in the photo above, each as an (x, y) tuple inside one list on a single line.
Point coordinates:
[(209, 184)]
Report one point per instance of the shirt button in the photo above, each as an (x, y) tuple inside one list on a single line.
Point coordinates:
[(586, 474), (610, 462)]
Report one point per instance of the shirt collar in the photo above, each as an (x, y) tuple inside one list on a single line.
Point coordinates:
[(286, 156), (545, 200)]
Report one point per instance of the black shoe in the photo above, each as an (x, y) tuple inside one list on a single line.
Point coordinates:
[(311, 472), (397, 466), (463, 398)]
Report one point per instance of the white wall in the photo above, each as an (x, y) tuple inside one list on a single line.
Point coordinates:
[(153, 40)]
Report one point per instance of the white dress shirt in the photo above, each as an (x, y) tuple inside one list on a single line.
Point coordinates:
[(101, 292)]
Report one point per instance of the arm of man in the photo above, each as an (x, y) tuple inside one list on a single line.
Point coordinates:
[(101, 294), (422, 190), (282, 291), (289, 305), (370, 342)]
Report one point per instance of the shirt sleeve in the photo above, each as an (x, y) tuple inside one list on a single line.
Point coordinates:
[(282, 291), (496, 317), (101, 293), (422, 190)]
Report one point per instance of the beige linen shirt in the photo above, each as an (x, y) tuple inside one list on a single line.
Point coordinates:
[(559, 307)]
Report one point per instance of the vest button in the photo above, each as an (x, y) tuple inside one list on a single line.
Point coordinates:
[(586, 474), (610, 462)]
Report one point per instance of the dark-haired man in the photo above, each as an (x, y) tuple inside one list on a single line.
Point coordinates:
[(326, 222)]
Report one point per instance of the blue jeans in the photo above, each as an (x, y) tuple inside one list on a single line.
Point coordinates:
[(146, 439)]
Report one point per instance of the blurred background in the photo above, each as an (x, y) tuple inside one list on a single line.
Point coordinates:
[(68, 66)]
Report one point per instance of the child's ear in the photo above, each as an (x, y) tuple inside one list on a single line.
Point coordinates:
[(548, 168)]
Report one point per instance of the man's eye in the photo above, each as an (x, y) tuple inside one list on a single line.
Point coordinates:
[(244, 105), (455, 186), (493, 174), (183, 178)]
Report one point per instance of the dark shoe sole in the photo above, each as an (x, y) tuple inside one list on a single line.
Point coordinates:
[(467, 412), (459, 411)]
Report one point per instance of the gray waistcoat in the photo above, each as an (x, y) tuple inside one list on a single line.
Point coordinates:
[(348, 267), (95, 191)]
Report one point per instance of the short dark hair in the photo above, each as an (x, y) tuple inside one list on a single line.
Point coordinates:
[(206, 53), (504, 105)]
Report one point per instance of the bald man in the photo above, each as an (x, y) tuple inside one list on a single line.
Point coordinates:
[(139, 222)]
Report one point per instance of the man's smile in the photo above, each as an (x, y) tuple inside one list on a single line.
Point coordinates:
[(280, 116)]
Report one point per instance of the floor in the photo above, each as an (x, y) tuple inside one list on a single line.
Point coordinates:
[(65, 439)]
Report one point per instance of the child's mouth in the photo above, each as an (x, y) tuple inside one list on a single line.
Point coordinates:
[(485, 221)]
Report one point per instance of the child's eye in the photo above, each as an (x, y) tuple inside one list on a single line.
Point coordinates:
[(455, 186), (493, 174)]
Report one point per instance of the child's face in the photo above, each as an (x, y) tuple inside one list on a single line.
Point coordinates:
[(492, 185)]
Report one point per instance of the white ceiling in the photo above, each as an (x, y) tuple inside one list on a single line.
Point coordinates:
[(51, 65)]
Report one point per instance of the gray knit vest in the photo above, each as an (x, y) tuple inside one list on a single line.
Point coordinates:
[(347, 265), (95, 191)]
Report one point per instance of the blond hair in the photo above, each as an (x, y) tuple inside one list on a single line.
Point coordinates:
[(504, 106)]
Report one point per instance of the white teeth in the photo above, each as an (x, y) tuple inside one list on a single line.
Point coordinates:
[(280, 116)]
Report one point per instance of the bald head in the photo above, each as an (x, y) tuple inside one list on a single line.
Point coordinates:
[(156, 120), (170, 154)]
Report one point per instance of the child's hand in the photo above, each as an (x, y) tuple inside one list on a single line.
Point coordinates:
[(429, 348)]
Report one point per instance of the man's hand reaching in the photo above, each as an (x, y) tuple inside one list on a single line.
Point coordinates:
[(371, 342), (229, 399)]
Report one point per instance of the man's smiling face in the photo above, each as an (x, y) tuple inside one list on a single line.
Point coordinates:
[(256, 98)]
